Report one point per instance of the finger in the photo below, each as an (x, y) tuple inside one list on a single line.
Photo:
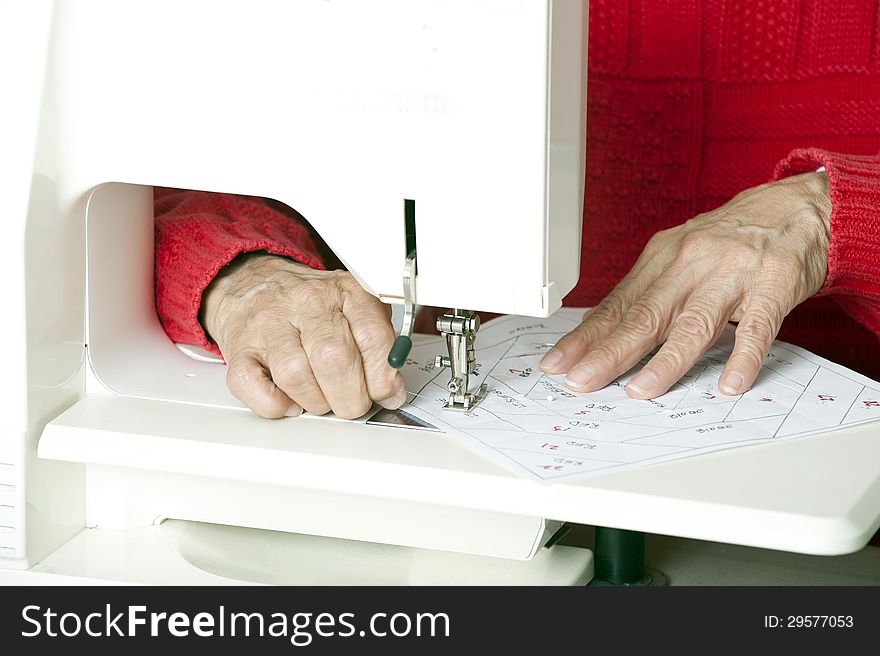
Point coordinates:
[(644, 325), (692, 333), (336, 363), (602, 320), (291, 372), (369, 321), (598, 323), (754, 337), (248, 379)]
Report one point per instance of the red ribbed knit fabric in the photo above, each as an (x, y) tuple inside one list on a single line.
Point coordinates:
[(690, 102), (197, 234)]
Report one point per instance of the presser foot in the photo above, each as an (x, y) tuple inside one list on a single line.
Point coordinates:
[(466, 402), (460, 330)]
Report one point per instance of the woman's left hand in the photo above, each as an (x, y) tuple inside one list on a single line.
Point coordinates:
[(750, 261)]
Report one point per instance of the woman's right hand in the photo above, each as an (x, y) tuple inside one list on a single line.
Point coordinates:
[(297, 338)]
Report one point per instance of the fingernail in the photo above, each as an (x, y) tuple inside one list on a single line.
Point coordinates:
[(580, 376), (644, 384), (551, 358), (395, 401), (731, 383), (294, 411)]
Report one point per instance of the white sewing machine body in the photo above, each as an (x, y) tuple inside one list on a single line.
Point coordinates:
[(340, 109)]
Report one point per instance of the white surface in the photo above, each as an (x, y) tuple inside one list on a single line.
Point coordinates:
[(152, 556), (24, 39), (819, 494), (185, 553), (128, 351), (569, 435), (122, 498)]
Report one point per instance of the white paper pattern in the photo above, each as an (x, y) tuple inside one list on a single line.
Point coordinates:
[(578, 435)]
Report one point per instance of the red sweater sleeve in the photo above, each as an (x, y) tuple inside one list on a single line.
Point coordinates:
[(854, 249), (198, 233)]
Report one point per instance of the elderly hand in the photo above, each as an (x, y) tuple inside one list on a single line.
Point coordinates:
[(296, 338), (750, 261)]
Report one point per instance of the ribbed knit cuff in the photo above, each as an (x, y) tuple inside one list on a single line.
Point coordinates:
[(197, 234), (854, 248)]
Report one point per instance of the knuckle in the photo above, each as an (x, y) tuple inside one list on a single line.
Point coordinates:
[(669, 361), (288, 372), (260, 319), (696, 242), (609, 311), (240, 380), (659, 238), (756, 331), (606, 355), (331, 354), (312, 307), (243, 382), (373, 336), (645, 318), (385, 387), (312, 289), (696, 324)]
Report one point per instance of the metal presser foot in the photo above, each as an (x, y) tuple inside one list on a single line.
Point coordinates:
[(460, 329)]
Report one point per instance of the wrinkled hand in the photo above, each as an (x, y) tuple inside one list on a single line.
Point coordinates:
[(750, 261), (296, 338)]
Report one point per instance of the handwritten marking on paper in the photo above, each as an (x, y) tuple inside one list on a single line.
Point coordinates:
[(580, 445), (709, 429), (603, 407), (796, 393), (685, 413), (530, 327), (779, 360), (550, 386), (507, 398)]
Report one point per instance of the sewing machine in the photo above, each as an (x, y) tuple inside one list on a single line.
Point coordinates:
[(438, 147)]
